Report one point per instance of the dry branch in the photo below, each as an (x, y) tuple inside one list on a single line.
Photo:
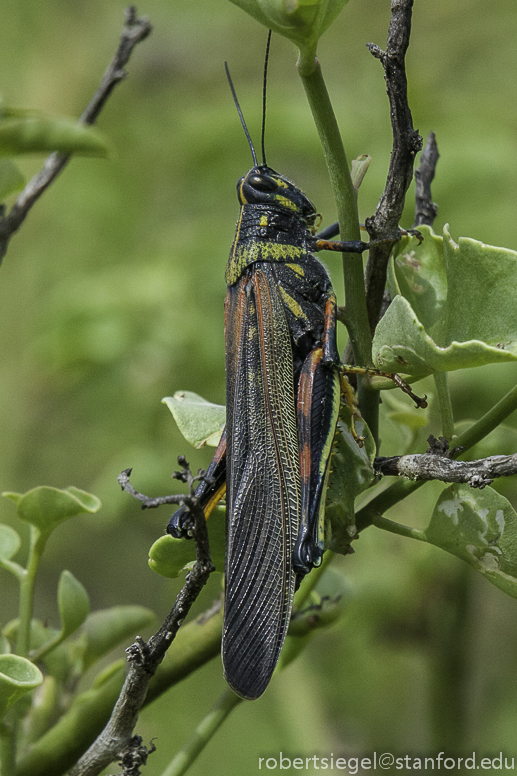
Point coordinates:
[(135, 30), (406, 143), (117, 740), (425, 208)]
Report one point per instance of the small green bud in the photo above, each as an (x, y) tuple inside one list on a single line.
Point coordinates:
[(302, 21)]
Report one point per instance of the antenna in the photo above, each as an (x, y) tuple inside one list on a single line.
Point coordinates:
[(239, 111), (266, 60)]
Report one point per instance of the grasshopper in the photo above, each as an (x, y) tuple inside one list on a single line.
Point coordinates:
[(283, 395)]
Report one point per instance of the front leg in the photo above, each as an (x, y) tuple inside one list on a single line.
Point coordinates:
[(319, 243), (209, 491)]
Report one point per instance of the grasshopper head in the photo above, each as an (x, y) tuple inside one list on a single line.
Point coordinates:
[(262, 185)]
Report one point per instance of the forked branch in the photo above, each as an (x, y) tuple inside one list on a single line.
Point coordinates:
[(135, 30), (117, 740), (406, 143)]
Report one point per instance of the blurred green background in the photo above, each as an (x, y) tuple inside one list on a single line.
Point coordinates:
[(111, 297)]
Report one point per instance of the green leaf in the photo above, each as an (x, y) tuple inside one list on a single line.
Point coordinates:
[(45, 644), (43, 709), (17, 677), (73, 602), (106, 628), (200, 421), (418, 273), (33, 133), (316, 616), (10, 542), (46, 507), (39, 634), (9, 545), (400, 423), (301, 21), (401, 412), (454, 309), (62, 659), (11, 178), (480, 527), (321, 612), (351, 470), (169, 556)]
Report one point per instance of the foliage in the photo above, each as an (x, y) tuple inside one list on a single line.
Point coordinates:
[(27, 132), (65, 659), (302, 22), (452, 306)]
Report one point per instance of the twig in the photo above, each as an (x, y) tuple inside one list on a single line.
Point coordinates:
[(147, 501), (135, 30), (134, 756), (116, 740), (406, 143), (151, 502), (429, 466), (425, 208)]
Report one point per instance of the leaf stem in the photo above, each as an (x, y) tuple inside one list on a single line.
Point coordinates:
[(398, 528), (489, 421), (450, 616), (346, 204), (37, 545), (15, 568), (370, 513), (203, 733), (38, 654), (444, 404), (7, 750), (345, 198)]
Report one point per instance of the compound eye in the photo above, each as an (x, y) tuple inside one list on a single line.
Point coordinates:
[(262, 183)]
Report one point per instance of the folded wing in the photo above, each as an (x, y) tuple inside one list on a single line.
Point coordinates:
[(263, 494)]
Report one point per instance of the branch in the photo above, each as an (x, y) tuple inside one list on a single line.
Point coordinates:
[(134, 31), (151, 502), (196, 643), (406, 143), (117, 740), (438, 464), (425, 208)]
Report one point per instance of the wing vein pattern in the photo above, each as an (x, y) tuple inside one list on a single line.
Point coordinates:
[(263, 494)]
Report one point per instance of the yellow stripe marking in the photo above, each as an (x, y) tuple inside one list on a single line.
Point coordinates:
[(292, 305)]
